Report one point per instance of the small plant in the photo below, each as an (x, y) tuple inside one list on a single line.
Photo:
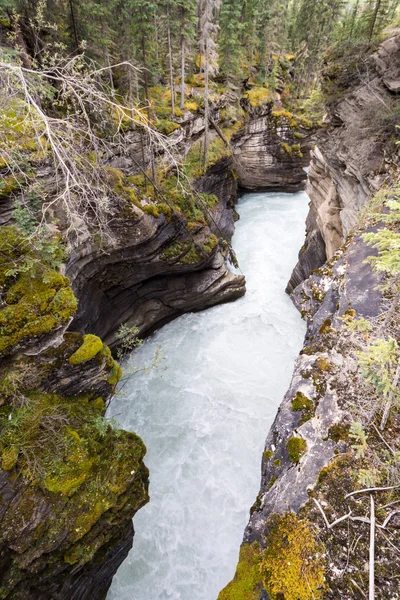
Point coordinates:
[(377, 365), (358, 434), (130, 340)]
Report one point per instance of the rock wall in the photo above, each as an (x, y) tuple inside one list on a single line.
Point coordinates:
[(70, 482), (353, 158), (139, 282), (271, 151)]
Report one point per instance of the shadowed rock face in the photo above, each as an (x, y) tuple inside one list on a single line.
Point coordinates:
[(136, 284), (261, 160), (64, 542), (350, 161)]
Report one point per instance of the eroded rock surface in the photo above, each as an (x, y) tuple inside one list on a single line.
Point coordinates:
[(267, 155), (352, 159)]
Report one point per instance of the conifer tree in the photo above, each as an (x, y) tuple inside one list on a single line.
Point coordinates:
[(230, 37), (187, 22)]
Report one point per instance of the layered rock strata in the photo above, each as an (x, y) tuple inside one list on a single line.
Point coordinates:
[(70, 481), (270, 153), (152, 275)]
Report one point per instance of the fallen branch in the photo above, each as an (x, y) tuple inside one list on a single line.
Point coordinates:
[(374, 489), (372, 551), (330, 525), (389, 401), (383, 439)]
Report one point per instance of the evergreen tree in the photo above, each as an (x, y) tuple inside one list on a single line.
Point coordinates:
[(187, 21), (231, 26)]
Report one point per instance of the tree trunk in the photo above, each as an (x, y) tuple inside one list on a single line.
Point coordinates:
[(206, 102), (182, 73), (145, 76), (146, 93), (374, 17), (74, 25), (109, 68), (171, 69), (182, 60)]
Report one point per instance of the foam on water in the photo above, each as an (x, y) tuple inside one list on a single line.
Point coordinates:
[(205, 418)]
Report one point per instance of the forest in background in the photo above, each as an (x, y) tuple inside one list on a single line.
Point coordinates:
[(189, 42)]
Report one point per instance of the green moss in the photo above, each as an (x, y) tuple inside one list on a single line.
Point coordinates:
[(291, 566), (246, 584), (194, 161), (317, 293), (9, 458), (258, 96), (296, 447), (326, 327), (272, 481), (256, 505), (8, 185), (287, 148), (166, 127), (116, 374), (305, 405), (191, 105), (99, 404), (91, 346), (38, 299), (152, 210), (322, 364), (277, 462), (184, 252), (210, 243), (163, 208), (268, 454), (339, 431)]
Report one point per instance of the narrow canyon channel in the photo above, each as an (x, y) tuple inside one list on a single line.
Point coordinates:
[(205, 417)]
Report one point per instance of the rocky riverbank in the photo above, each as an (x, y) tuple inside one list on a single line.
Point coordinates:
[(311, 461)]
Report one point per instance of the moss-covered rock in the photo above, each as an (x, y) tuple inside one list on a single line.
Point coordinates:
[(247, 582), (37, 299), (292, 566), (300, 402), (91, 346)]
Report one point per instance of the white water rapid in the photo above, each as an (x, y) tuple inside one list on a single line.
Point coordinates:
[(205, 418)]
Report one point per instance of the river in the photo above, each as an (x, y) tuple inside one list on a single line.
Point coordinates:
[(205, 417)]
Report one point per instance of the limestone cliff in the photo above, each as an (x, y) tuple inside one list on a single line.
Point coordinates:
[(270, 153), (353, 157)]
